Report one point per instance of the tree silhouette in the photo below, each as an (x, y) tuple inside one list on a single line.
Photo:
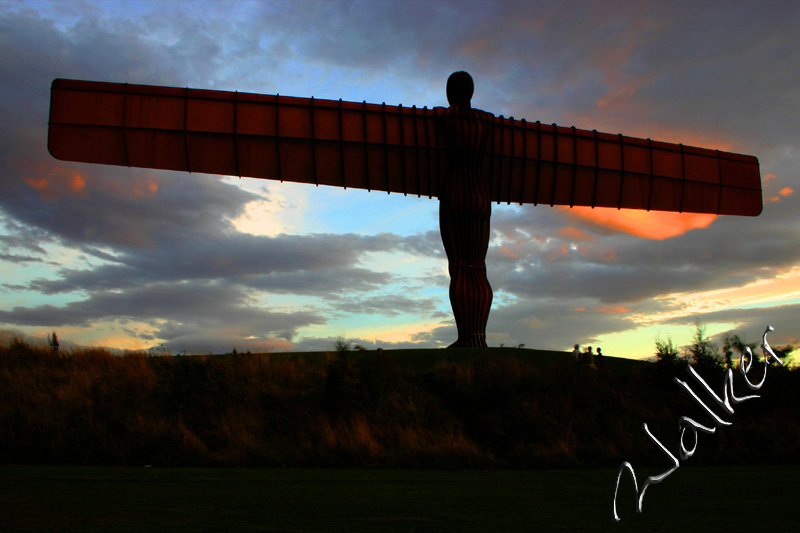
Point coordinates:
[(734, 342), (705, 354), (666, 353)]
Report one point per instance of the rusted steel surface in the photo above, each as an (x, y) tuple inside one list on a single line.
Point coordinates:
[(465, 210), (386, 148), (466, 157), (536, 163), (305, 140)]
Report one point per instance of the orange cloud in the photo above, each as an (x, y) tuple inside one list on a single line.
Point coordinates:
[(607, 255), (611, 310), (38, 184), (506, 251), (709, 139), (53, 182), (558, 254), (574, 234), (77, 183), (691, 138), (786, 191), (146, 189), (644, 129), (656, 225), (141, 186)]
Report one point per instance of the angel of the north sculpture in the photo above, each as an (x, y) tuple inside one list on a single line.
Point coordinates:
[(466, 157)]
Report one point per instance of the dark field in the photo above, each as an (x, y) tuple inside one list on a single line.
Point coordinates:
[(154, 499)]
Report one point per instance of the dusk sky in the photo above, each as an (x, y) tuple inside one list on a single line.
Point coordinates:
[(132, 258)]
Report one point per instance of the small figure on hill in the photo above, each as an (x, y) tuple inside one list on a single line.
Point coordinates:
[(53, 342), (587, 356), (598, 360), (591, 360), (576, 353)]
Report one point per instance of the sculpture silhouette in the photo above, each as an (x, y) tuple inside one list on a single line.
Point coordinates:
[(465, 209), (466, 157)]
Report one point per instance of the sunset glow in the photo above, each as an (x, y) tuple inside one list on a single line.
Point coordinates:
[(656, 225), (132, 258)]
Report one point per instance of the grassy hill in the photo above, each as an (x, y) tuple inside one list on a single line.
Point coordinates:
[(426, 360), (491, 408)]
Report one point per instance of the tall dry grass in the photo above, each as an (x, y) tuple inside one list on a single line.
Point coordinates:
[(90, 407)]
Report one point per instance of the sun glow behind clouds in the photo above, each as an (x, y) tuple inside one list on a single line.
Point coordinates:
[(278, 210), (656, 225), (639, 343), (259, 218), (633, 82), (782, 289), (394, 333)]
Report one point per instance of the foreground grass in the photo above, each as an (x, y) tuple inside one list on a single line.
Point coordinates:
[(443, 409), (152, 499), (400, 409)]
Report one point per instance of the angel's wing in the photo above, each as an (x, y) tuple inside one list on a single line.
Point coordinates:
[(385, 148)]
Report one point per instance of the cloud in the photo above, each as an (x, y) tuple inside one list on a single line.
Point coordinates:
[(162, 250), (657, 225), (22, 259), (302, 264), (731, 252), (555, 323), (173, 309), (388, 305), (155, 232)]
